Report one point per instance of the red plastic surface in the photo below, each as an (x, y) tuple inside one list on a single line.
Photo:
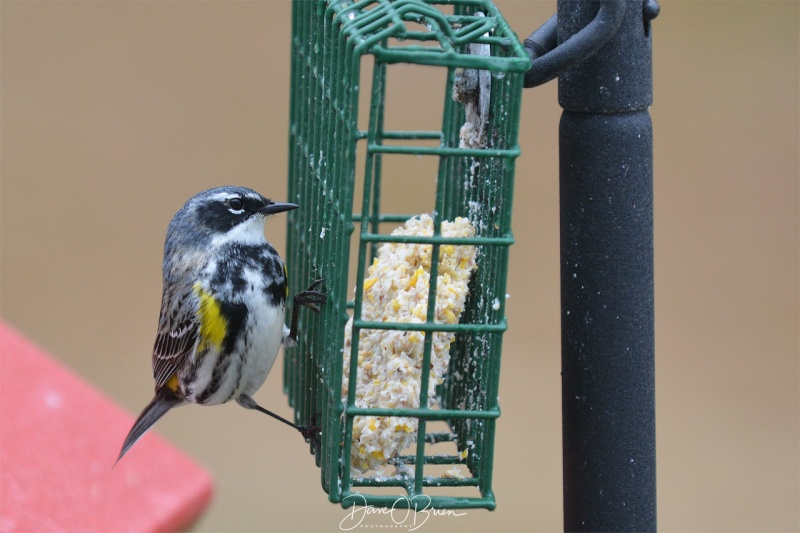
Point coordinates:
[(59, 438)]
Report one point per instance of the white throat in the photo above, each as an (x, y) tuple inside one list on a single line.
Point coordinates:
[(251, 231)]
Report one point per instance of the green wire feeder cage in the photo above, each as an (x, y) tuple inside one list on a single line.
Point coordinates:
[(412, 423)]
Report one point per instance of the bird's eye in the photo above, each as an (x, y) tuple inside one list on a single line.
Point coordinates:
[(236, 204)]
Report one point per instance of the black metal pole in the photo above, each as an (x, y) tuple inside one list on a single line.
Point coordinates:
[(606, 188)]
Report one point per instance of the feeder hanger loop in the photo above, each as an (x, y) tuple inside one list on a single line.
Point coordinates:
[(550, 59)]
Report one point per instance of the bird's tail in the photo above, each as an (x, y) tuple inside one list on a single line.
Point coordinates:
[(163, 402)]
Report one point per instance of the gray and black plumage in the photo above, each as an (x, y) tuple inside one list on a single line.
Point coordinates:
[(222, 312)]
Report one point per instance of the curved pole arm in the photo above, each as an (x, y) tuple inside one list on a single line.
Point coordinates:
[(550, 59)]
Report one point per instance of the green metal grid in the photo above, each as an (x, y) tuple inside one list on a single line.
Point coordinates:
[(330, 38)]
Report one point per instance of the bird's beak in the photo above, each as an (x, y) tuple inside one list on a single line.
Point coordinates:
[(277, 207)]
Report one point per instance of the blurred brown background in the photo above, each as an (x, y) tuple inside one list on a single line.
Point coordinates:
[(114, 113)]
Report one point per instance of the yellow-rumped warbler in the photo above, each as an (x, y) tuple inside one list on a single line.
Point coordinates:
[(222, 309)]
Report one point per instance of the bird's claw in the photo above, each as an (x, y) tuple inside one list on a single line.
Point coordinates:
[(311, 431), (311, 297)]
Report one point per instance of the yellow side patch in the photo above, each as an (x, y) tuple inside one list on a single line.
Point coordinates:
[(286, 275), (213, 326)]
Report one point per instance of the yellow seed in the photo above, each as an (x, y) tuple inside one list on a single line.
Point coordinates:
[(449, 315), (369, 283), (413, 281), (464, 453)]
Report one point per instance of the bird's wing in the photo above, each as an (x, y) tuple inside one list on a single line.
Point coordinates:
[(174, 343)]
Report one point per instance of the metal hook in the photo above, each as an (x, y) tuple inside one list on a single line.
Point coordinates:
[(551, 59)]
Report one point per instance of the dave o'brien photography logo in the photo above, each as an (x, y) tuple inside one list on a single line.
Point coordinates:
[(407, 513)]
